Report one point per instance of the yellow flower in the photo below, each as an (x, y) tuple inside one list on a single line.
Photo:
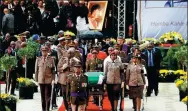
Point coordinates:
[(180, 72), (184, 77), (185, 99), (179, 82), (3, 96), (21, 79), (163, 71)]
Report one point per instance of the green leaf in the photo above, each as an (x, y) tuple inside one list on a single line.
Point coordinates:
[(29, 51), (8, 62)]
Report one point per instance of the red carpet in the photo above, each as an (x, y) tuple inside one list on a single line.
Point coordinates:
[(2, 82), (93, 107)]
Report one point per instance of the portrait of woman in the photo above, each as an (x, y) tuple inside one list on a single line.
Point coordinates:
[(97, 11)]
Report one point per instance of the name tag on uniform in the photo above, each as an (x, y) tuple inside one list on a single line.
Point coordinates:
[(84, 84)]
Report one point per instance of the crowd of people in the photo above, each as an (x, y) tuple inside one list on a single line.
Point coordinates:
[(64, 60), (42, 17)]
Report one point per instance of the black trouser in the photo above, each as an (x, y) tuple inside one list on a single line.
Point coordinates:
[(152, 79), (63, 89), (45, 90), (54, 95), (113, 93)]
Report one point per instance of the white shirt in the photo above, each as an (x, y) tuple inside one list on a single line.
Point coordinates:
[(81, 24), (41, 10), (109, 59)]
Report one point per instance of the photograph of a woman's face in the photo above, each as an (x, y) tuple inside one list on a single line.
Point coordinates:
[(97, 11)]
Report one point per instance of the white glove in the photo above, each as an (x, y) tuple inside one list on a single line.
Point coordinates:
[(127, 87), (122, 85)]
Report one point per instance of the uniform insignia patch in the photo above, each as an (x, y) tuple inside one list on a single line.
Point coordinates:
[(84, 84)]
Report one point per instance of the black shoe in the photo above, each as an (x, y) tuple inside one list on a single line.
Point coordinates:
[(13, 94), (54, 106), (156, 93), (148, 94)]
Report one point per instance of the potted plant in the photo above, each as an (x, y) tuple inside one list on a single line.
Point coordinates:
[(28, 52), (8, 102), (26, 88), (7, 63), (182, 86), (171, 39)]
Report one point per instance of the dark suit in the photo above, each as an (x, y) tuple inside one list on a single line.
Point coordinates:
[(153, 70)]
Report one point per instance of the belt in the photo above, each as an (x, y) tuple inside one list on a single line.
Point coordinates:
[(80, 94)]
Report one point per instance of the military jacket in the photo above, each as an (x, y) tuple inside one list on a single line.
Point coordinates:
[(93, 65), (77, 89), (114, 72), (61, 51), (45, 70), (70, 69), (134, 75)]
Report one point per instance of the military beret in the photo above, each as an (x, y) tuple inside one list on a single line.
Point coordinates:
[(113, 52), (94, 52)]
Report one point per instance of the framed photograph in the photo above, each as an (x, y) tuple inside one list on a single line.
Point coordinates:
[(97, 11)]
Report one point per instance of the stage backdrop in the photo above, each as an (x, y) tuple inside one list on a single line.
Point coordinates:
[(97, 11), (155, 18)]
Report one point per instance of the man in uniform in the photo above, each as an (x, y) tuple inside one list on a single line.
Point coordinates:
[(53, 53), (68, 40), (77, 52), (61, 51), (77, 89), (65, 67), (94, 64), (45, 76), (101, 54)]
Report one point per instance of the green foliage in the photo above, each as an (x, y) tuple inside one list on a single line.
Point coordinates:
[(169, 59), (29, 51), (26, 82), (1, 72), (181, 55), (8, 62), (7, 108), (8, 99)]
